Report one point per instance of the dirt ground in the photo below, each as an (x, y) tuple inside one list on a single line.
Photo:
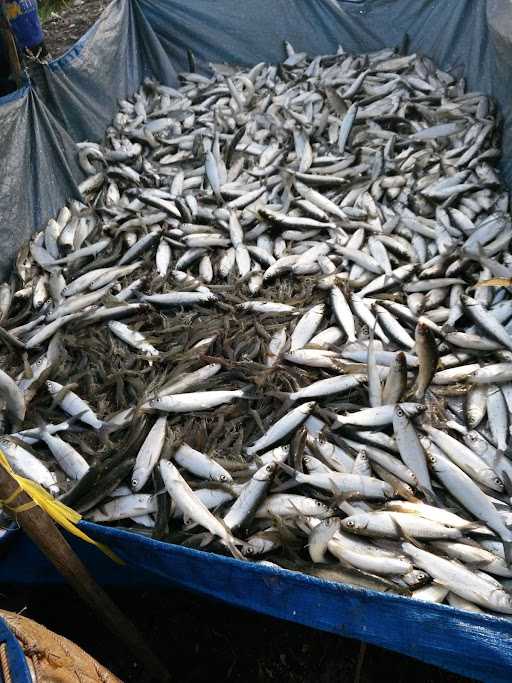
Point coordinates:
[(197, 638), (66, 25)]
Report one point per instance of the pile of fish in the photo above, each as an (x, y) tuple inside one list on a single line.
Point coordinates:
[(279, 326)]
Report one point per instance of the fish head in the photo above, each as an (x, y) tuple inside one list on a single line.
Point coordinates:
[(40, 362), (468, 301), (355, 523), (406, 411), (308, 462), (388, 491), (474, 441), (254, 547), (5, 443), (399, 415), (137, 481), (321, 509), (363, 455), (418, 577), (266, 472), (503, 600), (473, 416), (433, 461), (492, 480), (249, 550), (225, 478)]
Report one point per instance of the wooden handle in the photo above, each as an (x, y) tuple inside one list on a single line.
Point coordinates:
[(41, 529)]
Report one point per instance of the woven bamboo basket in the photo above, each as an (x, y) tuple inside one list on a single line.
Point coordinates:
[(50, 657)]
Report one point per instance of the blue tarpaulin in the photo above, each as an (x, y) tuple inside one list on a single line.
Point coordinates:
[(74, 97)]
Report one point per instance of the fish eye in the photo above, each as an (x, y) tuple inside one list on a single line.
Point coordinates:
[(269, 468), (223, 477), (134, 483), (399, 412), (498, 481), (350, 523), (249, 550), (319, 504)]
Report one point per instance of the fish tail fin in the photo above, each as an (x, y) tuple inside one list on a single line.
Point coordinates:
[(430, 496), (289, 470), (105, 430), (41, 424), (508, 452), (234, 551), (285, 487), (206, 540), (249, 394)]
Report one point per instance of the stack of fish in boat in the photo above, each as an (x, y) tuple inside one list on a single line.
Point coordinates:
[(278, 325)]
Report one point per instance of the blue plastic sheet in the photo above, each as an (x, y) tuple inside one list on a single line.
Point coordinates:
[(74, 97), (18, 667), (471, 644)]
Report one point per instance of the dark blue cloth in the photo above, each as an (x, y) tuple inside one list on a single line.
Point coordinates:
[(24, 21)]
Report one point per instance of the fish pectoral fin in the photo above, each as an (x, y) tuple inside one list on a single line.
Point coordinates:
[(430, 496), (404, 534), (206, 540)]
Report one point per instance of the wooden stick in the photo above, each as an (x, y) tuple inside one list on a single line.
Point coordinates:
[(12, 52), (42, 530)]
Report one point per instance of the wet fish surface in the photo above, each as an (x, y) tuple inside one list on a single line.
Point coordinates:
[(279, 325)]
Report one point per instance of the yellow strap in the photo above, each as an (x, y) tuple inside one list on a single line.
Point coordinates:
[(60, 513), (23, 508), (13, 495), (20, 508)]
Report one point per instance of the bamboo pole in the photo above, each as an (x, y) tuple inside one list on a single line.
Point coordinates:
[(41, 529)]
